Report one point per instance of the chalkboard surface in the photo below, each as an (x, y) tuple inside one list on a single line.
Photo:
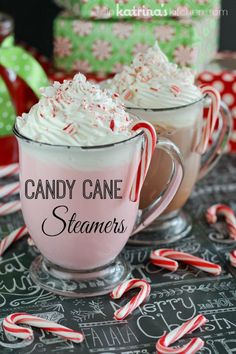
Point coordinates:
[(175, 297)]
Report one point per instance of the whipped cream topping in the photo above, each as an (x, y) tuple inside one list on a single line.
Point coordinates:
[(151, 81), (76, 113)]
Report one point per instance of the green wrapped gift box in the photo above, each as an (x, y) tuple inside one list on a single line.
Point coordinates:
[(121, 9), (104, 46)]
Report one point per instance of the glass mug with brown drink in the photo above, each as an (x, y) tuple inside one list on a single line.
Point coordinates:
[(159, 92)]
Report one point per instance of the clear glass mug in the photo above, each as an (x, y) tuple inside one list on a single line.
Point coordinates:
[(183, 126), (82, 220)]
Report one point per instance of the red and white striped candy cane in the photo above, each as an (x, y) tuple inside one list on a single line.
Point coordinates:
[(124, 311), (11, 238), (211, 117), (166, 258), (194, 345), (10, 325), (9, 189), (232, 258), (10, 207), (227, 212), (149, 147), (9, 170)]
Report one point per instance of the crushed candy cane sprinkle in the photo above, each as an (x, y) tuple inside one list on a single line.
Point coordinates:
[(76, 113), (151, 81)]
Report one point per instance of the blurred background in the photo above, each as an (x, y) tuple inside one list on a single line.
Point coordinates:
[(34, 21)]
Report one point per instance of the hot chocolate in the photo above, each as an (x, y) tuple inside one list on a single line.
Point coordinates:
[(186, 137), (161, 92)]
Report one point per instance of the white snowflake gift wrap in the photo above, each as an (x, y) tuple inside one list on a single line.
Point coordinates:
[(104, 46)]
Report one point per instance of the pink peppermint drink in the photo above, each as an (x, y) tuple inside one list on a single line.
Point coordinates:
[(83, 161), (103, 217)]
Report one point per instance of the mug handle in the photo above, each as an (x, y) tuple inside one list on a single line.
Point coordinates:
[(149, 214), (213, 153)]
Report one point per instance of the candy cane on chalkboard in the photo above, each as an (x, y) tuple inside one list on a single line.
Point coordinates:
[(11, 238), (221, 209), (166, 258), (232, 258), (9, 170), (143, 294), (11, 326), (9, 189), (10, 207), (193, 346)]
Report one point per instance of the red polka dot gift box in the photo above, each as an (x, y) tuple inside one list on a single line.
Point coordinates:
[(221, 74)]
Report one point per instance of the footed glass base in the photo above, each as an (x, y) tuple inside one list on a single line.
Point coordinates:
[(78, 283), (165, 229)]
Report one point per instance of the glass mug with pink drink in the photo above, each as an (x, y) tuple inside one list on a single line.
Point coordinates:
[(83, 161), (155, 90)]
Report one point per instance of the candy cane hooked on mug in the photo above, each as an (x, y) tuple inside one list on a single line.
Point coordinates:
[(166, 258), (137, 300), (9, 170), (149, 147), (193, 346), (211, 117), (227, 212), (10, 325)]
